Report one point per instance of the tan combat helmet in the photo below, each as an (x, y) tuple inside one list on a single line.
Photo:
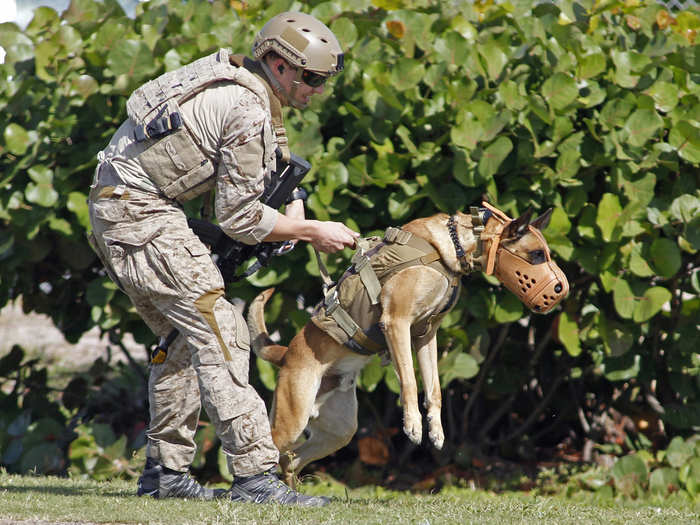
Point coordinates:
[(306, 43), (303, 41)]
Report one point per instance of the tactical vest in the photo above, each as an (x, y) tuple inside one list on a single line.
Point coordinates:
[(174, 159), (353, 299)]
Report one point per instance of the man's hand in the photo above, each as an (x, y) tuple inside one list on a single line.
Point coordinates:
[(324, 236), (331, 237)]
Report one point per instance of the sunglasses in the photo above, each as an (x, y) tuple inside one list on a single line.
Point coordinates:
[(313, 79)]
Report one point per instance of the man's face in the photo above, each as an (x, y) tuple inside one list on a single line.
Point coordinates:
[(309, 84)]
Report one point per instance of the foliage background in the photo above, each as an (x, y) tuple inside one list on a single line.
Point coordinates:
[(592, 108)]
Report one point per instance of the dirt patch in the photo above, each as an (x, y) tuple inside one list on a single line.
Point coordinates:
[(38, 336)]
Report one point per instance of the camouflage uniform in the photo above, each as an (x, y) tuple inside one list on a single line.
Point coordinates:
[(141, 233)]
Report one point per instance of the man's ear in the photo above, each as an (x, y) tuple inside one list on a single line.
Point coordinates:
[(517, 227), (542, 221), (277, 64)]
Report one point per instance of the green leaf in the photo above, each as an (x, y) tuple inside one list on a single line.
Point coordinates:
[(624, 298), (18, 46), (665, 95), (685, 138), (266, 277), (494, 58), (665, 257), (391, 379), (41, 190), (267, 373), (664, 480), (494, 155), (617, 338), (568, 334), (509, 91), (508, 309), (467, 133), (560, 90), (465, 366), (457, 365), (77, 203), (371, 374), (345, 31), (692, 478), (406, 74), (651, 303), (629, 474), (679, 451), (685, 208), (622, 368), (639, 190), (131, 58), (642, 125), (17, 140), (557, 234), (591, 65), (100, 292), (85, 85), (609, 211), (638, 265), (222, 464)]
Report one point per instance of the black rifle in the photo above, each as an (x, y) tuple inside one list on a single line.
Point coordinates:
[(230, 254)]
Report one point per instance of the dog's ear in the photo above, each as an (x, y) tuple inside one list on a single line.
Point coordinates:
[(542, 221), (517, 227)]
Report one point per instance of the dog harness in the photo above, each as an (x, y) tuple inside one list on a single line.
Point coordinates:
[(350, 311)]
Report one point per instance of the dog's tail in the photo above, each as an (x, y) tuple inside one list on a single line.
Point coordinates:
[(260, 340)]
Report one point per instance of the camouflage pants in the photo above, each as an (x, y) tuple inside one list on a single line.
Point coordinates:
[(168, 273)]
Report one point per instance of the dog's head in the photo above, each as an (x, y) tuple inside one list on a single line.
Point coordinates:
[(520, 258)]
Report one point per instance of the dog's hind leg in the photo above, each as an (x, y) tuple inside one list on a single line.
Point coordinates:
[(293, 405), (427, 362), (334, 427)]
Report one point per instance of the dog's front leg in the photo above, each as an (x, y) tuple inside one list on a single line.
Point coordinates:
[(398, 338), (427, 361)]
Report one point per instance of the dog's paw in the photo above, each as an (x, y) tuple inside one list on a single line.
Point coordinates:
[(435, 432), (437, 438), (413, 428)]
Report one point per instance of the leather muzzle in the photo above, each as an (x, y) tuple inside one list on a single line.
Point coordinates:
[(539, 286)]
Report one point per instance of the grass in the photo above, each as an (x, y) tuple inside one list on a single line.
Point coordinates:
[(53, 500)]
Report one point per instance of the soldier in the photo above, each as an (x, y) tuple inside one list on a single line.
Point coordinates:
[(211, 125)]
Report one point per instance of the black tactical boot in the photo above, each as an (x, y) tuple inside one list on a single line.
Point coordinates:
[(268, 488), (158, 481)]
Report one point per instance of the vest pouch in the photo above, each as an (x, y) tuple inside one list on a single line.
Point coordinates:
[(177, 166)]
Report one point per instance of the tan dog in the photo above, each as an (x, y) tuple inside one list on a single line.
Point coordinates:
[(315, 394)]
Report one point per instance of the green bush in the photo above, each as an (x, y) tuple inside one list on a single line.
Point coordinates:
[(592, 108), (641, 475)]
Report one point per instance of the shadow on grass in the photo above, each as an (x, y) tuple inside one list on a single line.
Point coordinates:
[(66, 491)]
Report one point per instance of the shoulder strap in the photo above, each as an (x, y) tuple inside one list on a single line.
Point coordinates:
[(275, 105)]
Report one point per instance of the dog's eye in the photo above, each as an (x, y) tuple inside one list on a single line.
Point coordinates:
[(537, 256)]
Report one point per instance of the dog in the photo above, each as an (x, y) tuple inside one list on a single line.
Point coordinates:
[(315, 395)]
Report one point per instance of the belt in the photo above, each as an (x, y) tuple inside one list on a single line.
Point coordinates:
[(109, 192)]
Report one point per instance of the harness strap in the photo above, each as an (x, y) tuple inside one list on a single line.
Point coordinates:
[(367, 275), (275, 104), (397, 235), (349, 326)]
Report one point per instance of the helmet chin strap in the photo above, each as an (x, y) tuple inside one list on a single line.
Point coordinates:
[(286, 98)]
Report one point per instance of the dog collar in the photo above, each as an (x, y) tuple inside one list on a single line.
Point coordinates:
[(467, 263)]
